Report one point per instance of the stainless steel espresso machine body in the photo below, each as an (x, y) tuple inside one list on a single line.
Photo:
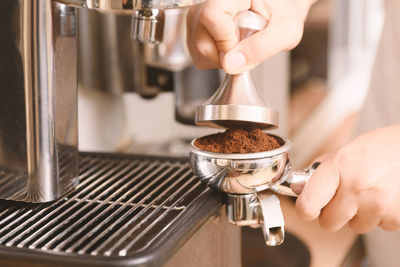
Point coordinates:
[(125, 210), (124, 207), (38, 103), (38, 125)]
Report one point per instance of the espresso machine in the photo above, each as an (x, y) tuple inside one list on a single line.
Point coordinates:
[(39, 80), (60, 206)]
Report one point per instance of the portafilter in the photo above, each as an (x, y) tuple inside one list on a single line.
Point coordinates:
[(249, 180)]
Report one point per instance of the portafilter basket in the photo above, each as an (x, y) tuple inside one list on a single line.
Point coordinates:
[(250, 181)]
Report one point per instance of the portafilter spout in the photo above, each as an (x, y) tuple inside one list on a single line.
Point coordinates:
[(237, 102)]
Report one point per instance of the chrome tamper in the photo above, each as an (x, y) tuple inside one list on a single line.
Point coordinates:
[(250, 180), (237, 103)]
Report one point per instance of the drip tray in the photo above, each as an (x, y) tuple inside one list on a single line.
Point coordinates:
[(127, 211)]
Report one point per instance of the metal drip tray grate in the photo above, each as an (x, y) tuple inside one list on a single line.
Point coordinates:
[(126, 210)]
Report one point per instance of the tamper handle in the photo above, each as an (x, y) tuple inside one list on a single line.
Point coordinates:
[(249, 22)]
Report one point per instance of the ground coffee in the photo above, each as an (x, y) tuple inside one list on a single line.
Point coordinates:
[(238, 141)]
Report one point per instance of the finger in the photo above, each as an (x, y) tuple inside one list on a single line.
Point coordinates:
[(363, 223), (339, 211), (391, 222), (297, 187), (203, 50), (262, 45), (391, 218), (262, 8), (217, 17), (369, 213), (318, 191), (201, 45)]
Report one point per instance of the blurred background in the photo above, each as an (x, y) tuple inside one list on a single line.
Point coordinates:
[(329, 77)]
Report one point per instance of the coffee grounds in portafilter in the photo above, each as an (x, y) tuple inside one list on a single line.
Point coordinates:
[(238, 141)]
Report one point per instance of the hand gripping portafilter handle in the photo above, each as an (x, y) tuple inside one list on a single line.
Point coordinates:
[(293, 184), (271, 217), (263, 208)]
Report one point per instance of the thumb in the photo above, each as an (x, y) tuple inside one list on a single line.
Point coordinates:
[(276, 37), (217, 17)]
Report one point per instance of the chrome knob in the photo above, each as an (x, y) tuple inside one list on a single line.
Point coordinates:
[(148, 25)]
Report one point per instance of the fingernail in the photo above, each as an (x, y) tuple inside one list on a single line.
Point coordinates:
[(234, 61)]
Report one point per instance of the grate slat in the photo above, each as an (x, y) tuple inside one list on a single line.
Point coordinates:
[(122, 205), (123, 251), (37, 215), (105, 243), (27, 209), (127, 176), (6, 180), (130, 201), (160, 233), (55, 219)]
